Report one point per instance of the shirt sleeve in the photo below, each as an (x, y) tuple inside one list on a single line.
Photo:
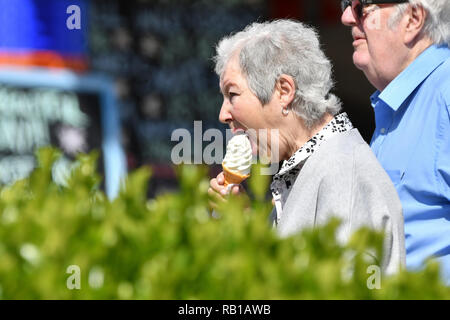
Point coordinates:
[(443, 154)]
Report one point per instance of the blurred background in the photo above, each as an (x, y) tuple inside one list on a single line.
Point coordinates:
[(120, 76)]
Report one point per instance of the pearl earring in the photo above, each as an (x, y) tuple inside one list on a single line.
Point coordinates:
[(285, 111)]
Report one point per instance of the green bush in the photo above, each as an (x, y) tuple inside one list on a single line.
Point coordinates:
[(170, 247)]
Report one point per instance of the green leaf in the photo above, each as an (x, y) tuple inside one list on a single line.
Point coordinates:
[(171, 248), (259, 181)]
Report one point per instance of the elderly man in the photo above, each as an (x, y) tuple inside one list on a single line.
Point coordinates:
[(403, 49)]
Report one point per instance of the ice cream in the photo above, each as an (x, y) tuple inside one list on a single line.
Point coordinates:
[(238, 159)]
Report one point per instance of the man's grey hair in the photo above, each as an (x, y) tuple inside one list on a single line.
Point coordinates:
[(268, 50), (437, 23)]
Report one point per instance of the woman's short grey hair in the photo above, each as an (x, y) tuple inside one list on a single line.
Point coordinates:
[(437, 23), (268, 50)]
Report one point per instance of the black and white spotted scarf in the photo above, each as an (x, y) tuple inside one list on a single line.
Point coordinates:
[(285, 178)]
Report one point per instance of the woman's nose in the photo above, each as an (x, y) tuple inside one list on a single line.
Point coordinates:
[(225, 115)]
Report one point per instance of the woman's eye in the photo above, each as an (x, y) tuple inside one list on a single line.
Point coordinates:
[(232, 95)]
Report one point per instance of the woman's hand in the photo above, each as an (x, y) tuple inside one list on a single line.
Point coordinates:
[(218, 192)]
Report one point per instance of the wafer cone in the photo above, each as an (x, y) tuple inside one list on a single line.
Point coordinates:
[(233, 177)]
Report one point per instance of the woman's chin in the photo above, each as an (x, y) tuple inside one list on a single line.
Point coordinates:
[(254, 146), (266, 157), (261, 151), (255, 151)]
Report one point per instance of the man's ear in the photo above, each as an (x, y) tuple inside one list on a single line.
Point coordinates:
[(286, 89), (416, 21)]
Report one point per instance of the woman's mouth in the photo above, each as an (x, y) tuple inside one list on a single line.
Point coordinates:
[(237, 131)]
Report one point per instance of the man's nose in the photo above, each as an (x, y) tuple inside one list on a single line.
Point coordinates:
[(347, 17), (225, 115)]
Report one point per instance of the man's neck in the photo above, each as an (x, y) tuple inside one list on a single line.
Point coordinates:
[(414, 51)]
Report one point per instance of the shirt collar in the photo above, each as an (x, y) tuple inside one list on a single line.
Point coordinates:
[(340, 123), (409, 79)]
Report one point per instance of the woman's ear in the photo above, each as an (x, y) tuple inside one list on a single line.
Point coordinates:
[(415, 23), (286, 89)]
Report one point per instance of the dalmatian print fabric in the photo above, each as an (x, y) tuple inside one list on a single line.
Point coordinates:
[(285, 178)]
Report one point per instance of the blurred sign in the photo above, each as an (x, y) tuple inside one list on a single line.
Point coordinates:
[(34, 117), (44, 32), (71, 112)]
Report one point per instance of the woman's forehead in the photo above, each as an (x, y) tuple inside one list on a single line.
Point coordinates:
[(231, 73)]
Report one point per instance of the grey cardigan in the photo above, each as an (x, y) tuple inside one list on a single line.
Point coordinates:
[(344, 179)]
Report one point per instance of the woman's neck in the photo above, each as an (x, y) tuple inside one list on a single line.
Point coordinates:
[(295, 134)]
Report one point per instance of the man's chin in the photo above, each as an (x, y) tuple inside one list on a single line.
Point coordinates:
[(360, 61)]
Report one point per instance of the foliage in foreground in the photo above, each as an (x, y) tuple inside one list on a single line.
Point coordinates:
[(170, 247)]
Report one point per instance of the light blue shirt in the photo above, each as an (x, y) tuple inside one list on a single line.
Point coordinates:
[(412, 142)]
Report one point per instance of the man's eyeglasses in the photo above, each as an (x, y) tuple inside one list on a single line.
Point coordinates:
[(358, 8)]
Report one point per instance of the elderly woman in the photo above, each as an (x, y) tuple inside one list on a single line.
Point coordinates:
[(274, 76)]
